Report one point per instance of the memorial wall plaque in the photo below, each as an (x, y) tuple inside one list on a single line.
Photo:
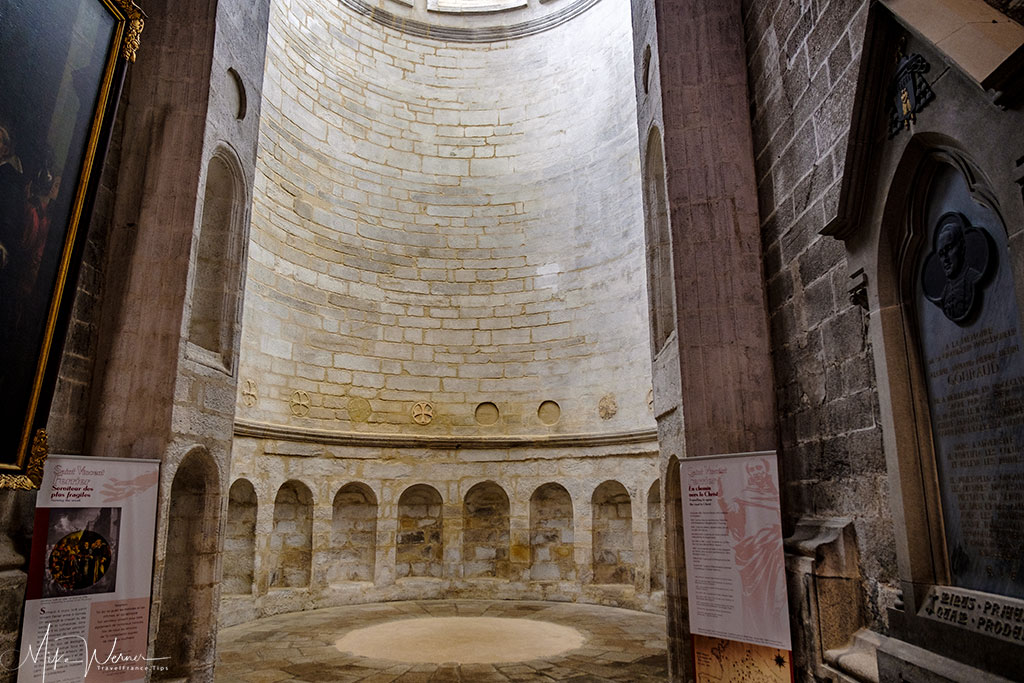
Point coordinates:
[(974, 371)]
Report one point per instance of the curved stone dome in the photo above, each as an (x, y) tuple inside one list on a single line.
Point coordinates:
[(446, 235)]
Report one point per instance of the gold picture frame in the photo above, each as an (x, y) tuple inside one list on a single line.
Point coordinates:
[(64, 63)]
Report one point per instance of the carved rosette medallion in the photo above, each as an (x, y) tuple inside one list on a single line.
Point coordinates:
[(422, 413), (359, 409), (300, 403), (607, 407), (250, 393)]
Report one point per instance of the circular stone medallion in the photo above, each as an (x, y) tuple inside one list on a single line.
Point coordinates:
[(359, 409), (607, 407), (466, 640), (549, 412), (486, 413)]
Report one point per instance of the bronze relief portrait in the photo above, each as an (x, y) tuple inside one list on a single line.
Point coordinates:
[(958, 267)]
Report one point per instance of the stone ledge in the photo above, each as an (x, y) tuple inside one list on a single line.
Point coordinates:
[(325, 437), (899, 660)]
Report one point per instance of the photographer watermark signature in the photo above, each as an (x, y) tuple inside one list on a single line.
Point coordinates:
[(55, 658)]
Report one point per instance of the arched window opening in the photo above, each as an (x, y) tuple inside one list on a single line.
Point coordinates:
[(216, 280), (660, 281)]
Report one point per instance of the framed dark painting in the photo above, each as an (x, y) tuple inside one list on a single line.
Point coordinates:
[(63, 62)]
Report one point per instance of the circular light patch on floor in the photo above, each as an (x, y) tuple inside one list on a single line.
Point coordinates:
[(465, 640)]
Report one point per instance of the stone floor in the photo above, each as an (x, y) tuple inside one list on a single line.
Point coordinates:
[(620, 645)]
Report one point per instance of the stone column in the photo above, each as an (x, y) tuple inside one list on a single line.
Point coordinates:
[(519, 538), (726, 391)]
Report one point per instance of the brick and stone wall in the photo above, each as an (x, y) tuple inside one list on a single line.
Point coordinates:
[(803, 63)]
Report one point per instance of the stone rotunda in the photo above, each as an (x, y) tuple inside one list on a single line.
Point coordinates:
[(444, 372), (421, 305)]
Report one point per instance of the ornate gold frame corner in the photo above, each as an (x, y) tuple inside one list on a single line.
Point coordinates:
[(33, 475), (133, 32)]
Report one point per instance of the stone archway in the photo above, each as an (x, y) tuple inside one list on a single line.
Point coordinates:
[(613, 534), (485, 532), (420, 548), (656, 536), (240, 539), (186, 632), (291, 542), (551, 534), (353, 534)]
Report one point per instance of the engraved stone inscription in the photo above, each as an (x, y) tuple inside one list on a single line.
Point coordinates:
[(973, 358), (1001, 618)]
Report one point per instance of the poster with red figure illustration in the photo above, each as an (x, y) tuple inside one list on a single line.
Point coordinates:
[(735, 568), (90, 574)]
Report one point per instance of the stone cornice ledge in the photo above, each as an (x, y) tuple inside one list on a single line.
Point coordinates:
[(326, 437), (468, 34)]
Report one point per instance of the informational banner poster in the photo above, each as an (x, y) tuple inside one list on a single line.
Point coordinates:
[(719, 660), (735, 569), (90, 573)]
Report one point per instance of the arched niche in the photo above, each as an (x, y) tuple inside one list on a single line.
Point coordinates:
[(612, 534), (217, 271), (485, 532), (941, 340), (291, 542), (240, 539), (953, 282), (551, 534), (656, 536), (186, 633), (657, 233), (419, 542), (353, 534)]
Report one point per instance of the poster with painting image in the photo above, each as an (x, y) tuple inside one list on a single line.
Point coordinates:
[(81, 551), (90, 573)]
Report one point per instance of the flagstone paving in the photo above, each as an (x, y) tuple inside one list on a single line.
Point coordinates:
[(621, 646)]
